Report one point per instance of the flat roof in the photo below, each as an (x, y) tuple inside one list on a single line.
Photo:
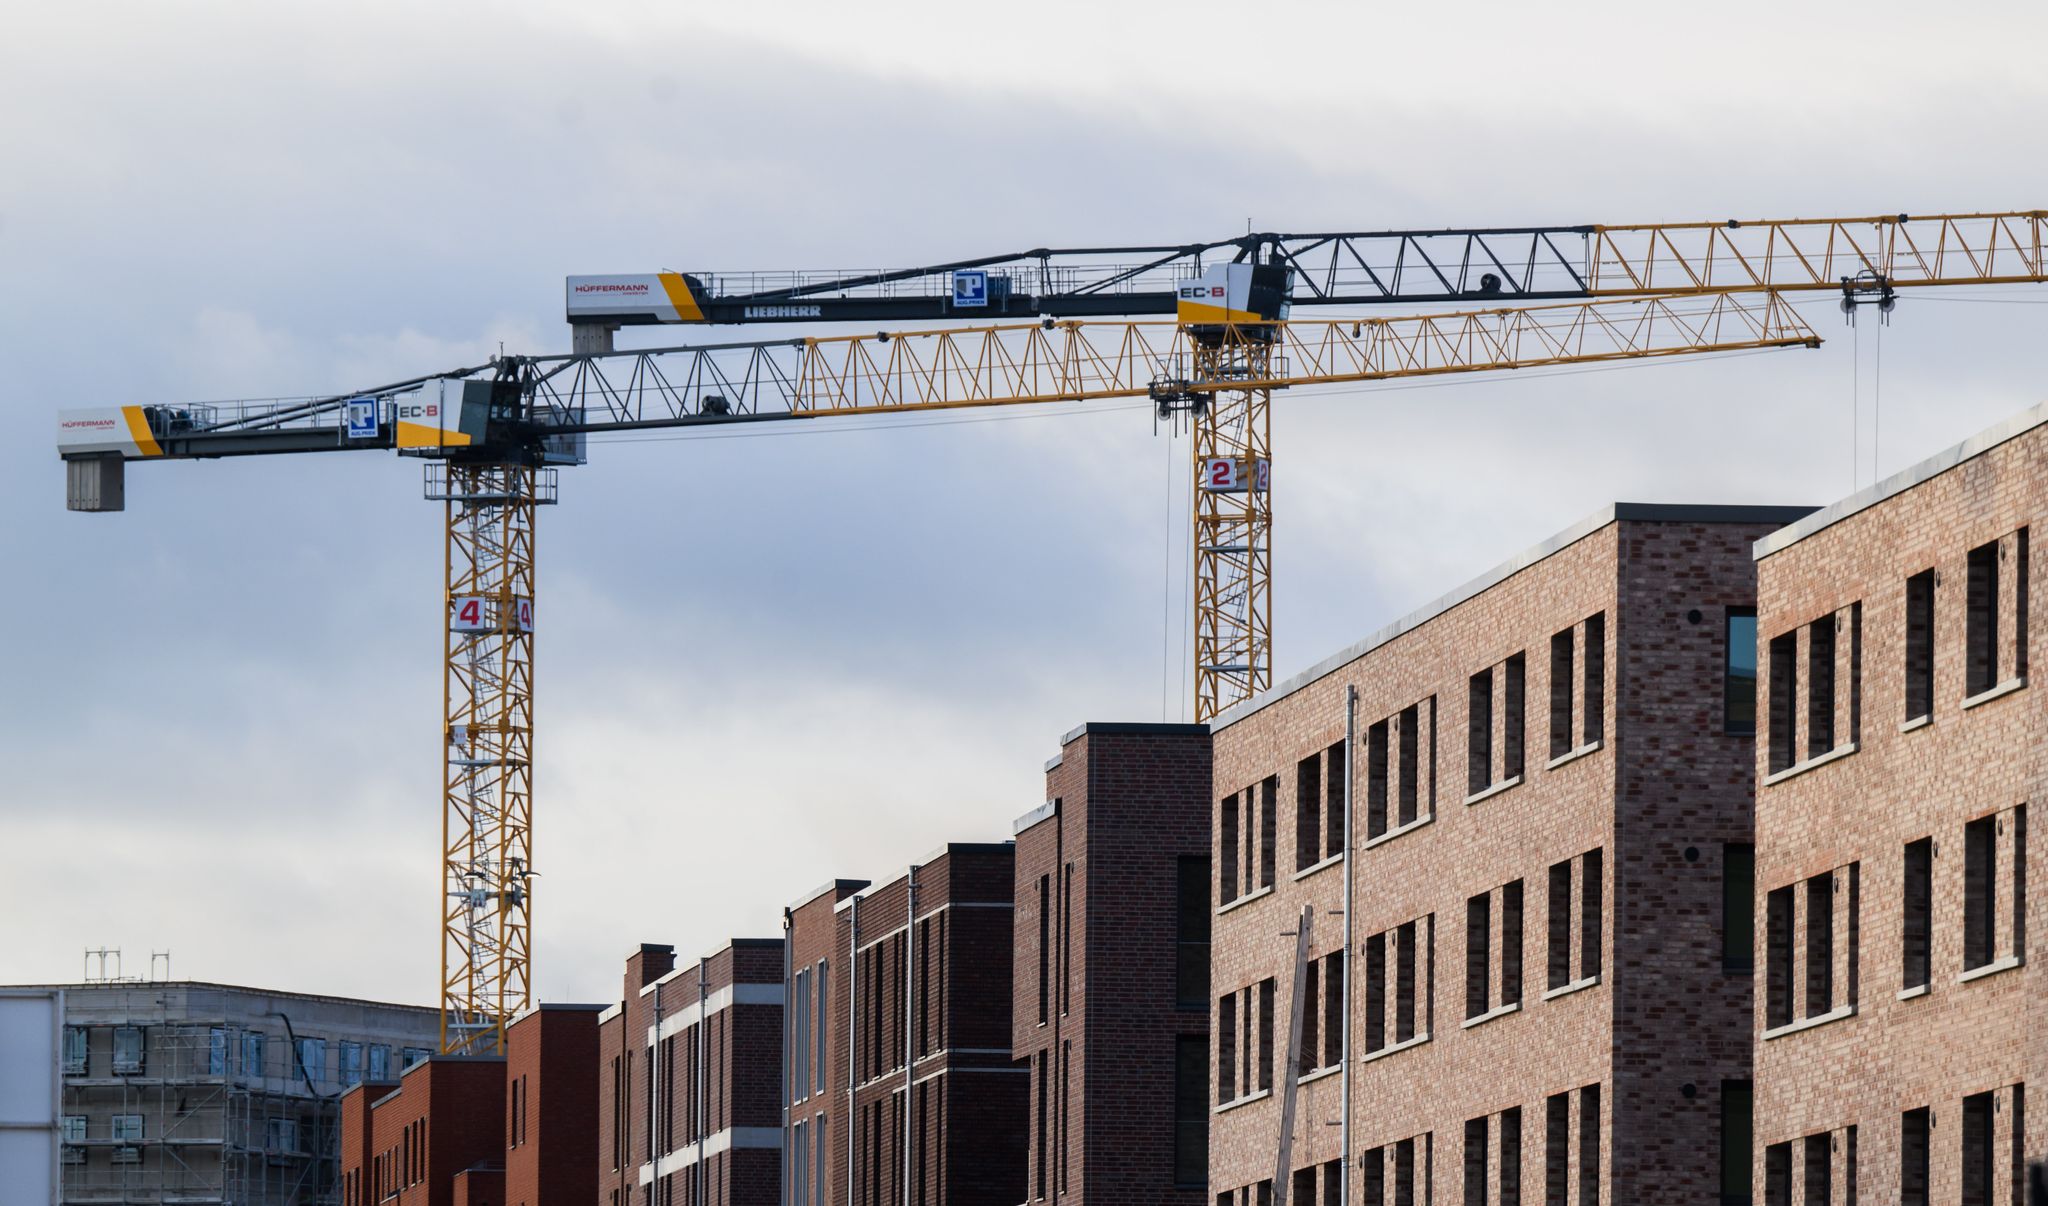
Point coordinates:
[(1612, 513), (1904, 480), (87, 986)]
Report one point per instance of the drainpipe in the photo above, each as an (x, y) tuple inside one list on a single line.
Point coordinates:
[(1350, 759), (703, 1072), (788, 995), (852, 1033), (654, 1090), (1059, 1056), (909, 1017)]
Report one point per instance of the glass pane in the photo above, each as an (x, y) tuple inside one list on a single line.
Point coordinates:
[(1740, 705)]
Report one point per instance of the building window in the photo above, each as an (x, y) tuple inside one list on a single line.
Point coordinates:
[(1561, 736), (74, 1128), (1812, 925), (1488, 944), (310, 1056), (1916, 914), (1244, 1042), (1589, 1146), (1400, 980), (1322, 1014), (1475, 1162), (1191, 932), (1915, 1147), (1989, 843), (1980, 620), (1818, 1179), (74, 1051), (127, 1128), (1784, 655), (1738, 908), (1557, 1147), (282, 1135), (1319, 807), (800, 1035), (1738, 671), (1494, 733), (1587, 934), (1246, 835), (1920, 645), (216, 1051), (1044, 947), (252, 1055), (1405, 1168), (1979, 1170), (1578, 663), (351, 1063), (1400, 776), (1593, 681), (414, 1055), (1738, 1120), (128, 1050), (1190, 1111)]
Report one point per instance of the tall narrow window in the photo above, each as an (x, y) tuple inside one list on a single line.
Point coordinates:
[(1334, 820), (1479, 732), (1226, 833), (1266, 1033), (1414, 799), (1308, 812), (1044, 1089), (1980, 892), (1557, 1146), (1404, 982), (1820, 1168), (1778, 958), (1511, 943), (1190, 1111), (1475, 1162), (1561, 694), (1784, 671), (1738, 671), (1820, 944), (1311, 1045), (1333, 1009), (1920, 645), (1979, 1160), (1738, 908), (1478, 955), (1511, 729), (1511, 1156), (1916, 914), (1376, 780), (1589, 1146), (1404, 1173), (1593, 716), (1192, 921), (1737, 1137), (1044, 947), (1778, 1175), (1226, 1048), (1559, 953), (1915, 1134), (1820, 686), (1980, 621), (1592, 893), (1067, 940), (1269, 802), (1375, 992)]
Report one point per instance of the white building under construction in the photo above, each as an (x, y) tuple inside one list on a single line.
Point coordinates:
[(193, 1093)]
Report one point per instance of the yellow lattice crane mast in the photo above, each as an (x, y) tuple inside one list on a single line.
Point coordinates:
[(1034, 327)]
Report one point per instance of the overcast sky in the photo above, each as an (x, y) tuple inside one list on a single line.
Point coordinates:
[(767, 661)]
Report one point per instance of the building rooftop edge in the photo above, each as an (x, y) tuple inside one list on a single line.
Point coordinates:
[(1905, 479), (1044, 812), (1556, 543), (830, 885), (204, 985)]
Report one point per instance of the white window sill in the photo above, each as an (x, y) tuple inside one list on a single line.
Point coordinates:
[(1312, 868), (1246, 899), (1228, 1106), (1990, 969), (1396, 1049), (1487, 793), (1918, 990), (1918, 722), (1319, 1073), (1833, 1015), (1398, 830), (1818, 760), (2005, 688), (1565, 990), (1498, 1011), (1591, 747)]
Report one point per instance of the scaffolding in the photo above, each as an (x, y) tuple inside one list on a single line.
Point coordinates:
[(198, 1113)]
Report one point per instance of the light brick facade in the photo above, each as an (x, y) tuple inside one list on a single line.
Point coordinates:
[(1899, 999), (1111, 968), (1543, 789)]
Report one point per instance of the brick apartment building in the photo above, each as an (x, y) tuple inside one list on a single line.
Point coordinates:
[(899, 1020), (1111, 1011), (513, 1130), (1547, 818), (1899, 1016), (687, 1111)]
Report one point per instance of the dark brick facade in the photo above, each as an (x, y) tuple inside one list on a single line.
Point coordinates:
[(701, 1043), (912, 1038), (1108, 981), (1898, 1033), (1551, 733)]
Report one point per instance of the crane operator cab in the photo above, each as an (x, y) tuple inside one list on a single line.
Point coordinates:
[(1235, 297)]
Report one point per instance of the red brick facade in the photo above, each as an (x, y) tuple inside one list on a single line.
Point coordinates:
[(1899, 1005), (406, 1143), (550, 1108), (1111, 968), (701, 1044), (1542, 794), (900, 1018)]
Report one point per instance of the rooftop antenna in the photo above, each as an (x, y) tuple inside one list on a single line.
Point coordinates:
[(101, 956), (153, 957)]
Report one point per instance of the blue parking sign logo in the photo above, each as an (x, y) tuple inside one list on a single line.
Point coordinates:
[(970, 288), (362, 418)]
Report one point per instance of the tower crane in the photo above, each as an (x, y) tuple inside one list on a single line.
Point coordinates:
[(1044, 326)]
